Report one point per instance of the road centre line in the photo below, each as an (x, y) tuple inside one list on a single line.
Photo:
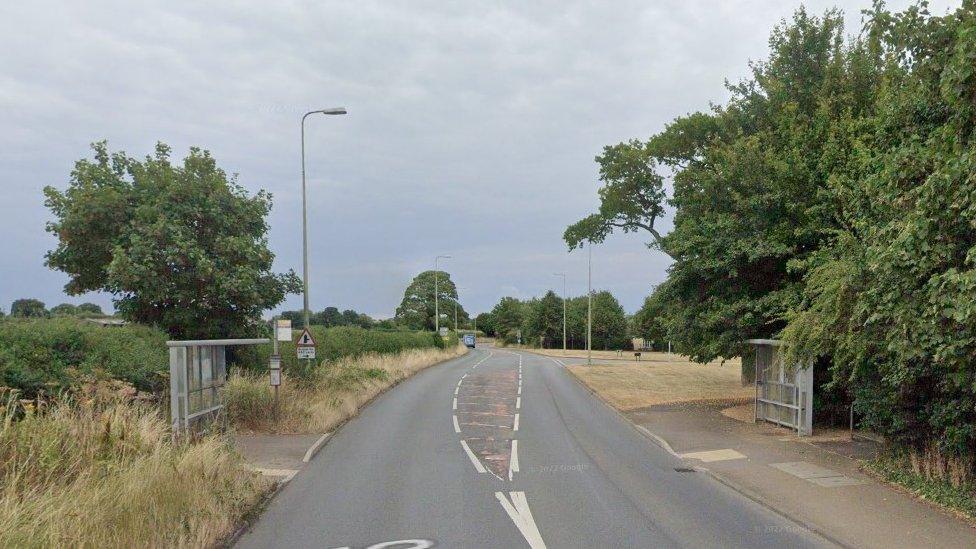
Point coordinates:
[(474, 460), (513, 463), (518, 402), (515, 427), (474, 424), (518, 511), (455, 404), (457, 428)]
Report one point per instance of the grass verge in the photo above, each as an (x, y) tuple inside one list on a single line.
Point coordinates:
[(898, 468), (86, 473), (324, 398), (632, 385)]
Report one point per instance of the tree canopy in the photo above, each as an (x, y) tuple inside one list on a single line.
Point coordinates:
[(830, 201), (28, 308), (416, 310), (180, 246)]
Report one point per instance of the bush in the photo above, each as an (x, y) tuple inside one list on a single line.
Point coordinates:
[(336, 343), (48, 355)]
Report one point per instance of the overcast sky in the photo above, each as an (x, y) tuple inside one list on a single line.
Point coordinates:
[(471, 131)]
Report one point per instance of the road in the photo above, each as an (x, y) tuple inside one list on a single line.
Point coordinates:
[(505, 449)]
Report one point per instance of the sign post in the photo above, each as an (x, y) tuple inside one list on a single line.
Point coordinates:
[(282, 332)]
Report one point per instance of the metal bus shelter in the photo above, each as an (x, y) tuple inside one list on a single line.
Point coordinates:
[(784, 395), (197, 373)]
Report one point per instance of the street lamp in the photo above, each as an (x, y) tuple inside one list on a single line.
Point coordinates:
[(338, 110), (564, 309), (437, 310)]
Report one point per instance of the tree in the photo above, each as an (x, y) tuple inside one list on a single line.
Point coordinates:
[(751, 186), (609, 322), (90, 309), (486, 323), (64, 309), (28, 308), (545, 320), (507, 315), (180, 246), (416, 310), (649, 322)]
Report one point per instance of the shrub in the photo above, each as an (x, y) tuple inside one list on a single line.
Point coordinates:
[(48, 355), (336, 343)]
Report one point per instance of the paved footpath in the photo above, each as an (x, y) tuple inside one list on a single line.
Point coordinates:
[(504, 449)]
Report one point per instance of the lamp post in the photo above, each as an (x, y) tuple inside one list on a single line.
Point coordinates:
[(437, 310), (337, 110), (564, 309)]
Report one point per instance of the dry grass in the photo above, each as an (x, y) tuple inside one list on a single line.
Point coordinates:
[(334, 394), (661, 378), (109, 475)]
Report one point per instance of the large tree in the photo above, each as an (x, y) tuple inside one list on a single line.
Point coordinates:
[(181, 246), (28, 308), (751, 181), (508, 315), (416, 310)]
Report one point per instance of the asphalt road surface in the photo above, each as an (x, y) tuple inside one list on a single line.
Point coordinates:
[(505, 449)]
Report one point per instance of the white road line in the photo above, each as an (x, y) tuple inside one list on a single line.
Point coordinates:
[(454, 406), (513, 464), (456, 389), (474, 461), (457, 428), (518, 403), (519, 391), (515, 427), (518, 511)]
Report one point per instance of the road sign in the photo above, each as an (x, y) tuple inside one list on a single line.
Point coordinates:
[(275, 363), (275, 377), (306, 339), (284, 329), (306, 352)]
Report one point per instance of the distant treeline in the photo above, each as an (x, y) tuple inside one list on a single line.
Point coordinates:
[(35, 308)]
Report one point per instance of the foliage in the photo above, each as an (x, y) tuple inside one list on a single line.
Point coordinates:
[(544, 319), (649, 322), (893, 300), (28, 308), (48, 355), (337, 343), (180, 246), (64, 309), (507, 315), (329, 317), (416, 310), (486, 323), (541, 321), (89, 472)]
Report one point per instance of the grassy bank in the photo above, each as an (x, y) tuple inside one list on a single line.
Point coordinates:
[(94, 474), (326, 396)]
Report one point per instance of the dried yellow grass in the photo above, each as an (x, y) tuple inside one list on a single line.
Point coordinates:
[(110, 475), (336, 392), (660, 378)]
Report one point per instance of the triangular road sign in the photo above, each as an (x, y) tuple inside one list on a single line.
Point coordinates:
[(306, 339)]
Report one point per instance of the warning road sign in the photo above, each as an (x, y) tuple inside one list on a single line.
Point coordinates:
[(306, 339)]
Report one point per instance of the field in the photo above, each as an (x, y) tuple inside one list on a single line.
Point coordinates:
[(660, 378)]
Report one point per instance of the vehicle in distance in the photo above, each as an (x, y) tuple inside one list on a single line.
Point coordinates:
[(469, 340)]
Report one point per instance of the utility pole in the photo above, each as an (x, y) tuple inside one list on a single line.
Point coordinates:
[(564, 309), (589, 305), (338, 110), (437, 310)]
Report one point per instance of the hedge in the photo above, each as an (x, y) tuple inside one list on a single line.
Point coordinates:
[(48, 355)]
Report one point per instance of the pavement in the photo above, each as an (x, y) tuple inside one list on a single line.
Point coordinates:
[(819, 484), (276, 455), (501, 448)]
